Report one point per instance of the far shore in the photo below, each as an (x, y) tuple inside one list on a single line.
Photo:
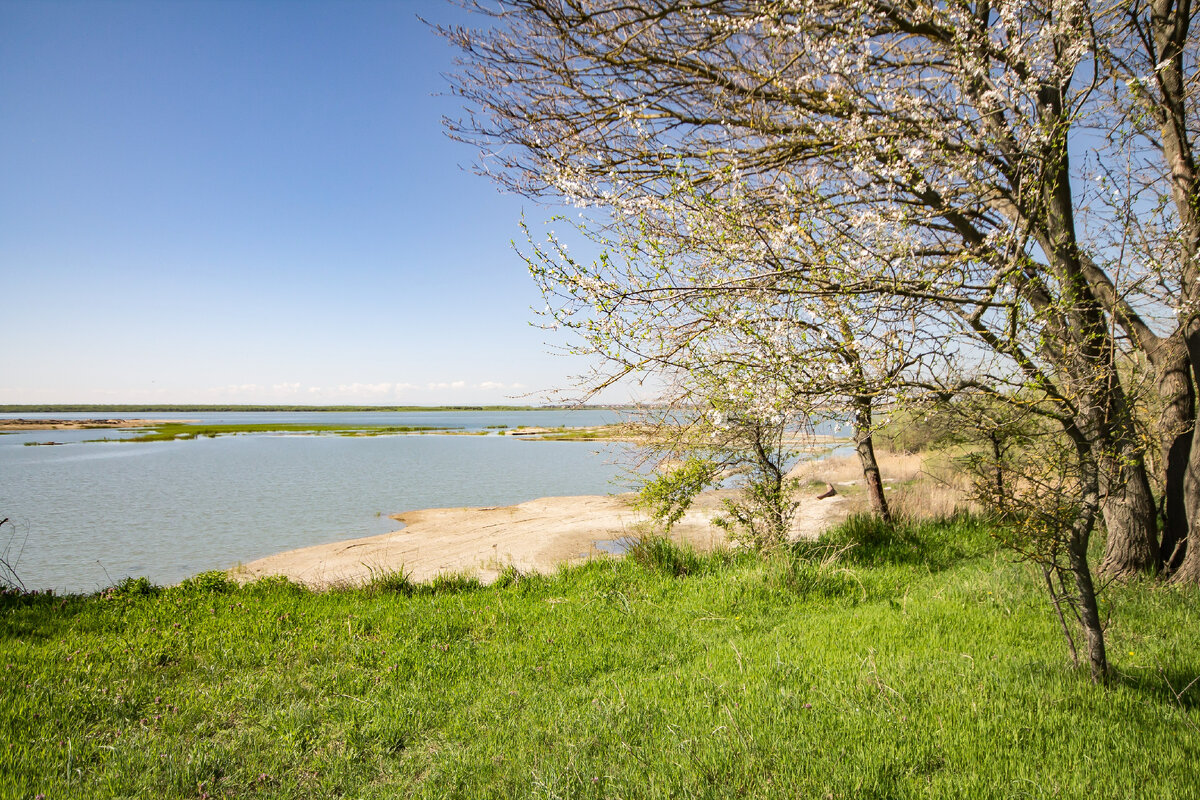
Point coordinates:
[(79, 424)]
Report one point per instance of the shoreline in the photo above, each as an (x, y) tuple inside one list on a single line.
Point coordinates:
[(25, 424), (534, 536)]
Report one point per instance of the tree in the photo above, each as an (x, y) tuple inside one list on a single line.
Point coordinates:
[(944, 129), (953, 123), (693, 303)]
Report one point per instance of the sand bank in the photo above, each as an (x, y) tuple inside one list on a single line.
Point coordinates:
[(78, 424), (535, 536)]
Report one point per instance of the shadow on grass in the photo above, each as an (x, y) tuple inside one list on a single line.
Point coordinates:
[(866, 540)]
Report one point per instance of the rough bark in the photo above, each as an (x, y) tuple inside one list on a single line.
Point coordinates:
[(1086, 353), (1169, 27), (1176, 424), (1077, 546), (1089, 611), (1131, 543), (865, 448), (1189, 567)]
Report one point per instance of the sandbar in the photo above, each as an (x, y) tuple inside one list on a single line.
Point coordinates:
[(534, 536), (78, 424)]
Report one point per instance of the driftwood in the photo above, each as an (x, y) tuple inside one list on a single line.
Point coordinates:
[(830, 492)]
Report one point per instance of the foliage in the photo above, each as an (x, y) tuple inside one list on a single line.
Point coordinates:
[(134, 587), (212, 582), (669, 495), (397, 581), (881, 193), (761, 516)]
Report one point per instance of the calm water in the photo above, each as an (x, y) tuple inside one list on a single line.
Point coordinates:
[(88, 514)]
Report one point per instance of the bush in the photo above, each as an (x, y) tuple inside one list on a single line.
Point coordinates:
[(212, 582), (509, 576), (269, 584), (132, 587), (669, 495)]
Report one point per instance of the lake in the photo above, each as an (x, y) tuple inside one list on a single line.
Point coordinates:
[(87, 514)]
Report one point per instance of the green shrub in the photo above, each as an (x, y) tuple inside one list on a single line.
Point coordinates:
[(132, 587), (669, 495), (270, 584), (938, 543), (212, 582)]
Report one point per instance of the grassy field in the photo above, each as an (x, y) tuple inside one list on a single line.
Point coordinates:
[(921, 663)]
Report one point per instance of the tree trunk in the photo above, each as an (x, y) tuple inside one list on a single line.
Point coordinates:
[(1170, 24), (1189, 567), (1130, 518), (1176, 429), (1000, 501), (1077, 546), (1089, 611), (865, 448)]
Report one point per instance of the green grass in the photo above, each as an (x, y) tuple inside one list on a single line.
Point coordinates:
[(178, 431), (919, 663)]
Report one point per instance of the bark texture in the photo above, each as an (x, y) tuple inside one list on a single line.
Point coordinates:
[(865, 448)]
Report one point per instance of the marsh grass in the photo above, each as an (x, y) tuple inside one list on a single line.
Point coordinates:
[(914, 661), (183, 431)]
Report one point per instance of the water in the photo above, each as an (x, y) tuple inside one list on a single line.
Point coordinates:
[(88, 514)]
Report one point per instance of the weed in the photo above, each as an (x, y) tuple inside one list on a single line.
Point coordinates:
[(397, 581), (133, 587), (212, 582), (662, 555)]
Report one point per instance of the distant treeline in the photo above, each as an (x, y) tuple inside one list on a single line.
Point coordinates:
[(125, 409)]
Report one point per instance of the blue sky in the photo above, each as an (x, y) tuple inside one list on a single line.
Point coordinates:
[(251, 202)]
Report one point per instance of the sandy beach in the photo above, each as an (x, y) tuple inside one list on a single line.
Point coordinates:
[(535, 536), (78, 424), (539, 535)]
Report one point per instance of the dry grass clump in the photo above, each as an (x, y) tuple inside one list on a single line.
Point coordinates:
[(918, 485)]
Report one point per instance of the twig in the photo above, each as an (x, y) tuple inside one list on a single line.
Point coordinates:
[(1054, 598)]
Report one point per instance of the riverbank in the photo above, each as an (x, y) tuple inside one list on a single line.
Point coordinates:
[(541, 535), (21, 424), (535, 536)]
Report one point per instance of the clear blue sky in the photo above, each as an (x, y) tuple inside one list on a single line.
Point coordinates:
[(250, 202)]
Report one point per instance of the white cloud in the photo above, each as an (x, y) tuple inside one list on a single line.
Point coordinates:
[(365, 389)]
